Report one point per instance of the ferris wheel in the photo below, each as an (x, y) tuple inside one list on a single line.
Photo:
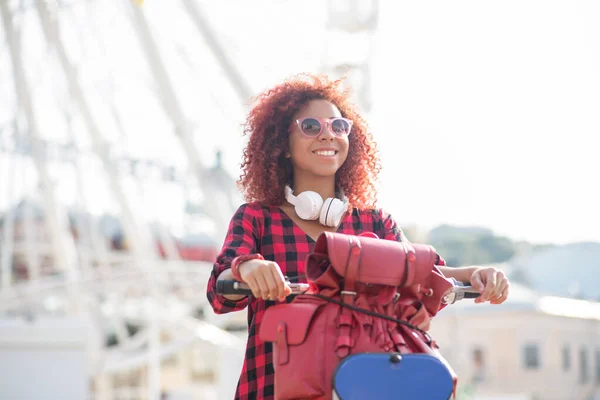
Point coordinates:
[(119, 287), (351, 27)]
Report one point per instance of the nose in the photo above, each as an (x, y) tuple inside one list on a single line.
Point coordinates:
[(327, 134)]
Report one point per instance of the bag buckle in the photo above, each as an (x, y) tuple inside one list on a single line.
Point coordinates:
[(347, 292)]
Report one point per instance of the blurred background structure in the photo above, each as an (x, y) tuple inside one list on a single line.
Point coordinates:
[(120, 141)]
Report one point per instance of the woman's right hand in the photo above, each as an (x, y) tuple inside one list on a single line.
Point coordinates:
[(265, 279)]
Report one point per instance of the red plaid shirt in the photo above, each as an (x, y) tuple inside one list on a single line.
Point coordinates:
[(273, 234)]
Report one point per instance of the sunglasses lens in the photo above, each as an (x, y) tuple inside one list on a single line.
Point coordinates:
[(311, 127), (340, 127)]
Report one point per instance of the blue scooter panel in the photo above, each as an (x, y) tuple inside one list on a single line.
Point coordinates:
[(383, 376)]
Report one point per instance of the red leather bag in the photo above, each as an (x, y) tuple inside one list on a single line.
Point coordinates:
[(367, 295)]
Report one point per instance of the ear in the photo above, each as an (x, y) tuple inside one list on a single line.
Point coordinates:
[(287, 154)]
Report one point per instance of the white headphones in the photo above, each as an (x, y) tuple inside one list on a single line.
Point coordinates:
[(309, 205)]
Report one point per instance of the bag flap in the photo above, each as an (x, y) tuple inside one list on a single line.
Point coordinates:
[(383, 262), (295, 316)]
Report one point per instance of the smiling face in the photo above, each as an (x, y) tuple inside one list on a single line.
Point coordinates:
[(319, 156)]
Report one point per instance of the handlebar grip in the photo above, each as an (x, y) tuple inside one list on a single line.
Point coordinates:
[(233, 287), (241, 288), (464, 290)]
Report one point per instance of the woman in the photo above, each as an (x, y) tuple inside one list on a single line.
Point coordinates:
[(304, 137)]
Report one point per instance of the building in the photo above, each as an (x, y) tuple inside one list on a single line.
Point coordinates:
[(532, 347)]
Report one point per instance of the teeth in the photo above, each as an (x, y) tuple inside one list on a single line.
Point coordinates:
[(325, 152)]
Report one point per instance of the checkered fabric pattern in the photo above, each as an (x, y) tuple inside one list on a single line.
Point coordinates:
[(273, 234)]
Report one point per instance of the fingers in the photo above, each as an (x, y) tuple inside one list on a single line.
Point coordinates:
[(275, 284), (499, 286), (492, 285), (279, 285), (495, 283), (503, 290), (477, 283), (266, 280), (258, 285), (484, 281), (489, 278)]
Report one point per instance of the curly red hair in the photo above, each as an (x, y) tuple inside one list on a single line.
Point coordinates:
[(266, 170)]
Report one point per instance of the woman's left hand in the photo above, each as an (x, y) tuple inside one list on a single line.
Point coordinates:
[(491, 283)]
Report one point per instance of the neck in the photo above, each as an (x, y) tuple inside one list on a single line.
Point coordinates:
[(324, 186)]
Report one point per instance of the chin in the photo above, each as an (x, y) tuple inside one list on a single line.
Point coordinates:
[(318, 171), (325, 172)]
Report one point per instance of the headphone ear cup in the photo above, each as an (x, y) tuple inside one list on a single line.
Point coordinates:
[(308, 205), (332, 212)]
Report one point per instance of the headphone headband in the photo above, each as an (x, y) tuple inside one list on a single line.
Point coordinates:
[(309, 205)]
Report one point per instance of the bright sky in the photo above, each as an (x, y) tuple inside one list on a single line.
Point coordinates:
[(486, 113)]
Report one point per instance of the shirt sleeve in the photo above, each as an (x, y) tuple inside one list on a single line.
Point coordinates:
[(391, 231), (242, 238)]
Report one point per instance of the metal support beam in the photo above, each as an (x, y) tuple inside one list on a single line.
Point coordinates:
[(231, 71), (351, 24), (62, 242), (137, 236), (6, 246), (183, 127), (141, 241)]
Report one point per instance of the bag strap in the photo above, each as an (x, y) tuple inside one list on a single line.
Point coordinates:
[(406, 266), (344, 323), (373, 314), (352, 267)]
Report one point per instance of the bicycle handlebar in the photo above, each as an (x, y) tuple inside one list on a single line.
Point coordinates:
[(240, 288), (459, 290)]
